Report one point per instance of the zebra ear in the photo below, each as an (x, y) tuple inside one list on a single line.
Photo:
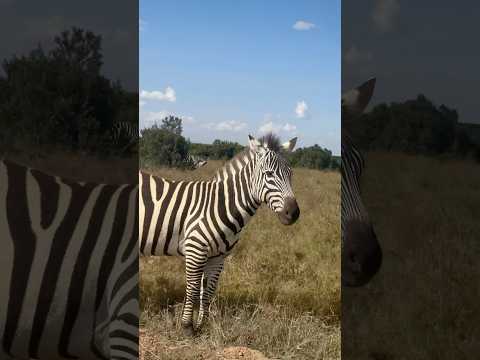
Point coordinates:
[(255, 145), (289, 145), (356, 100)]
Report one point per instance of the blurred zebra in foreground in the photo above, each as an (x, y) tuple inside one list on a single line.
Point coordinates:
[(361, 252), (68, 267), (202, 220)]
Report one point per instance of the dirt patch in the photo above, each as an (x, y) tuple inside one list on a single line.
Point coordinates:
[(239, 352)]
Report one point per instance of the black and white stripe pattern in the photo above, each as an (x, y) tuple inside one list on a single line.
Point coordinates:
[(124, 134), (361, 253), (202, 220), (352, 167), (68, 267), (195, 162)]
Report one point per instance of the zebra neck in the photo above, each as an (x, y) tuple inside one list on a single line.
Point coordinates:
[(235, 181)]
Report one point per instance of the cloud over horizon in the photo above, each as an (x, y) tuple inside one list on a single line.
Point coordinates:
[(230, 125), (167, 95), (273, 127), (302, 25)]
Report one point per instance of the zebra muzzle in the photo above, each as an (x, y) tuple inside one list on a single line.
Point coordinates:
[(290, 212)]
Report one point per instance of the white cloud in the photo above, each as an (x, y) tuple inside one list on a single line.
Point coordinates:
[(384, 12), (301, 109), (149, 118), (268, 127), (188, 119), (167, 95), (141, 103), (230, 125), (302, 25), (289, 128), (353, 55), (273, 127)]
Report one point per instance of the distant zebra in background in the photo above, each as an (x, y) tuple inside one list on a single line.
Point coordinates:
[(68, 267), (202, 220), (124, 134), (195, 162), (361, 253)]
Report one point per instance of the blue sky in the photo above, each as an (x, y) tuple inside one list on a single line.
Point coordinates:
[(233, 68)]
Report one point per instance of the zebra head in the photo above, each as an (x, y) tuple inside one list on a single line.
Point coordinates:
[(199, 162), (272, 177), (361, 253), (195, 162)]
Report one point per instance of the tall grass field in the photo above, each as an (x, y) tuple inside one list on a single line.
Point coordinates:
[(279, 293), (424, 302)]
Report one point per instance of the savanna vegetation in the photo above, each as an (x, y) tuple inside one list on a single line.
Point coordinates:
[(423, 304), (416, 126), (58, 99), (279, 292), (164, 146)]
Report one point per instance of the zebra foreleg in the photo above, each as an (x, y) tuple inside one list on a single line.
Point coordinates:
[(195, 260), (211, 274)]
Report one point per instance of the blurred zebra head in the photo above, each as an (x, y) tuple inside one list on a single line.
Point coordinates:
[(361, 252), (196, 161), (272, 177)]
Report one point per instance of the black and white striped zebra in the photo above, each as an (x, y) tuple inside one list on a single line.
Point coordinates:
[(202, 220), (68, 267), (124, 134), (195, 162), (361, 252)]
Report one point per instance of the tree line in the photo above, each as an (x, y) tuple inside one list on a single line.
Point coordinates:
[(60, 98), (415, 126), (164, 145)]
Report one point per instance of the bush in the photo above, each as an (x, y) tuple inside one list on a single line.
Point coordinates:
[(161, 147), (416, 126), (218, 150), (313, 157)]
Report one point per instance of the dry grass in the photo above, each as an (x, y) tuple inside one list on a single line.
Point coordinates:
[(424, 302), (76, 166), (279, 292)]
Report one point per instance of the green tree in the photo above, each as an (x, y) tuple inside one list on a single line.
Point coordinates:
[(160, 147), (172, 124), (60, 97)]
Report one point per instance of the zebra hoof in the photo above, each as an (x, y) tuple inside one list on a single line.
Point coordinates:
[(188, 330), (199, 329)]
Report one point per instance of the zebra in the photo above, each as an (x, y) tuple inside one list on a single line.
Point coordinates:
[(202, 220), (361, 252), (124, 134), (68, 267), (195, 162)]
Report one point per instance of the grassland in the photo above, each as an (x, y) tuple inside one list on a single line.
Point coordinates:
[(279, 292), (423, 304), (76, 166)]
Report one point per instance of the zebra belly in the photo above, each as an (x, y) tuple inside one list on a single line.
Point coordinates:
[(164, 241)]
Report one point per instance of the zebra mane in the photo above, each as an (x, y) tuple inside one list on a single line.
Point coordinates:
[(271, 141)]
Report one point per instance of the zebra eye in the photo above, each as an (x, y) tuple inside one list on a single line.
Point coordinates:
[(269, 173)]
